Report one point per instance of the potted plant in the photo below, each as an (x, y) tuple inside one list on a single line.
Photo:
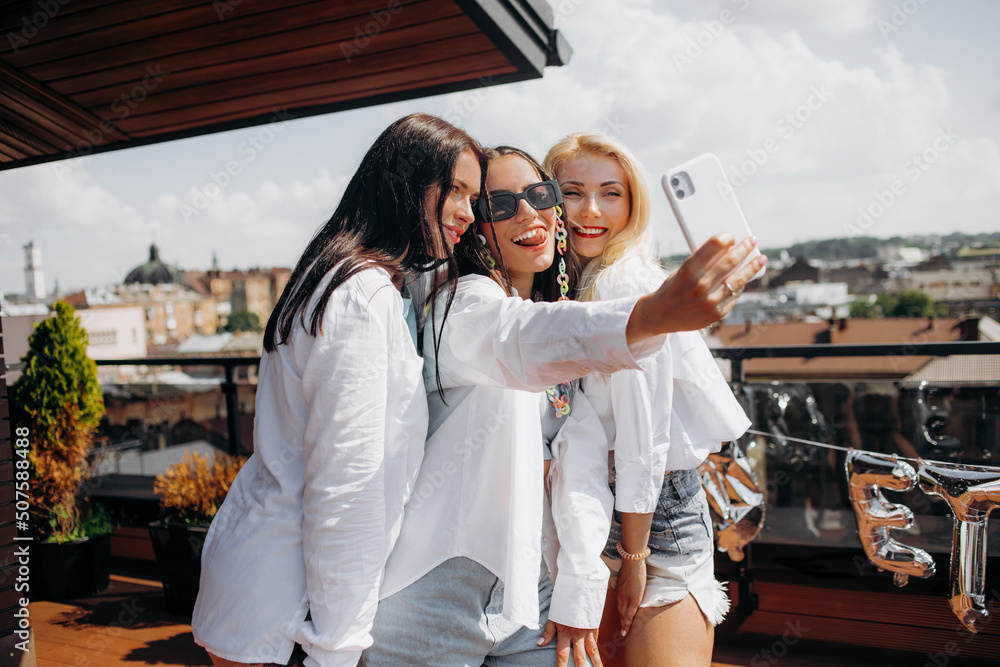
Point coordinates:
[(59, 400), (191, 492)]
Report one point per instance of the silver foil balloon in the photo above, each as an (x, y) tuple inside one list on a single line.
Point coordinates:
[(972, 492), (867, 474), (734, 499)]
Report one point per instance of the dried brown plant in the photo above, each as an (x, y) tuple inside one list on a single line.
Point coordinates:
[(195, 487)]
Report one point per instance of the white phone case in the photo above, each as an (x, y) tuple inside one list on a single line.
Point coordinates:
[(704, 203)]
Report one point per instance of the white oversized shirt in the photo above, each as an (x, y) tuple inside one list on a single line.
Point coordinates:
[(480, 490), (307, 525), (670, 415), (577, 525)]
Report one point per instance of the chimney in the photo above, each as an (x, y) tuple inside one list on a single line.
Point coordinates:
[(968, 329)]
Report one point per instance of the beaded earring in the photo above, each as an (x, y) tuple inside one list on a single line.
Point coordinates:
[(559, 394), (489, 256), (563, 277)]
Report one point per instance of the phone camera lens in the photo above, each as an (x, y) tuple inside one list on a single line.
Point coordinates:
[(675, 181), (680, 194)]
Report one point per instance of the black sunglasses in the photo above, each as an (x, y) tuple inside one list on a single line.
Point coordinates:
[(499, 206)]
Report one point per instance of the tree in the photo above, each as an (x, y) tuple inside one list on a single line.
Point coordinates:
[(242, 320), (913, 303), (909, 303), (863, 308), (58, 398)]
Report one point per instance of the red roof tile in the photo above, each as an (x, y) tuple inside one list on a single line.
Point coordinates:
[(855, 332)]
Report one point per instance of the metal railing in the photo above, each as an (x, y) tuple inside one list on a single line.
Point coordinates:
[(228, 386), (738, 354)]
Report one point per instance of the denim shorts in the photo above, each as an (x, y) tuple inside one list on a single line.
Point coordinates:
[(682, 548)]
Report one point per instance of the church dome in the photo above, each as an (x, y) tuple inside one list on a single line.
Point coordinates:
[(154, 272)]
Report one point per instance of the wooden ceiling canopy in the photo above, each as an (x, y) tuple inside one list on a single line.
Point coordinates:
[(86, 76)]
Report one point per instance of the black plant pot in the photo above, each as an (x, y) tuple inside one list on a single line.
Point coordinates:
[(71, 569), (177, 546)]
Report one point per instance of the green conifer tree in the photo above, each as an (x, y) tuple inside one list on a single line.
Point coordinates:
[(59, 399)]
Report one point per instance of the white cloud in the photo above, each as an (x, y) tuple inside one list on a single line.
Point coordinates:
[(683, 87), (671, 78), (89, 236), (836, 16)]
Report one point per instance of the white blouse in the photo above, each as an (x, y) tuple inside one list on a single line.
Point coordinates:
[(579, 518), (670, 415), (307, 525), (480, 489)]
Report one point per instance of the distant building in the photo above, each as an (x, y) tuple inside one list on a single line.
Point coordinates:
[(801, 270), (19, 321), (792, 301), (978, 256), (154, 272), (957, 284), (173, 311), (114, 332), (256, 290), (898, 256), (34, 276)]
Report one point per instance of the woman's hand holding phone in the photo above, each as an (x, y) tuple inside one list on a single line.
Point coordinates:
[(702, 291)]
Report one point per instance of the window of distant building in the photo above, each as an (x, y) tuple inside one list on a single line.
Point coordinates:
[(103, 337)]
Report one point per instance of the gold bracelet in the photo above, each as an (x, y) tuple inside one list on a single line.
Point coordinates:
[(642, 555)]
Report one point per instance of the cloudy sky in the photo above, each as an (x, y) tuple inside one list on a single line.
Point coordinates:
[(819, 111)]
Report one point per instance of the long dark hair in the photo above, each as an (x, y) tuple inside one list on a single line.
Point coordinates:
[(472, 257), (379, 219)]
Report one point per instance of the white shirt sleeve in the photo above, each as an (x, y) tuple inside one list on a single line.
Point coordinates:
[(345, 384), (581, 504), (495, 340)]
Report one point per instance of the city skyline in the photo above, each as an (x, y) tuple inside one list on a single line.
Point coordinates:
[(832, 119)]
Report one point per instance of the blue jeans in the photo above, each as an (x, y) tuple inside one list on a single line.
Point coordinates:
[(451, 617)]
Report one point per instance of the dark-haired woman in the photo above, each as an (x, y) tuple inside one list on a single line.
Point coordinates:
[(294, 557)]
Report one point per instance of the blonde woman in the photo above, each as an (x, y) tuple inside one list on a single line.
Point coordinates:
[(662, 421)]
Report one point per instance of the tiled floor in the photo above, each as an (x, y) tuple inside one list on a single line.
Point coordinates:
[(128, 625)]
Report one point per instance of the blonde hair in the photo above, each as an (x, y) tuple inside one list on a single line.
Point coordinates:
[(637, 236)]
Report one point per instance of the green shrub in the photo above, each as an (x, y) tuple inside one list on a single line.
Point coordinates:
[(60, 401)]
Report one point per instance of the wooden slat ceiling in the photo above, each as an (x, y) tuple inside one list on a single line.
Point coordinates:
[(89, 76)]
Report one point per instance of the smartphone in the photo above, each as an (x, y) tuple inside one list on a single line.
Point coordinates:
[(705, 204)]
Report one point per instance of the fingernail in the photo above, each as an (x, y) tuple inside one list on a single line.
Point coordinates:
[(539, 642), (753, 240)]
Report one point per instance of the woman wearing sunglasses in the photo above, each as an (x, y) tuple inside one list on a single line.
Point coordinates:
[(466, 584), (664, 600)]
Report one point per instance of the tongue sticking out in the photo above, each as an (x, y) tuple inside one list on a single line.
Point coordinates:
[(538, 238)]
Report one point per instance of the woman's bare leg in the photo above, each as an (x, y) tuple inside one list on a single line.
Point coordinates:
[(609, 637), (675, 635)]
